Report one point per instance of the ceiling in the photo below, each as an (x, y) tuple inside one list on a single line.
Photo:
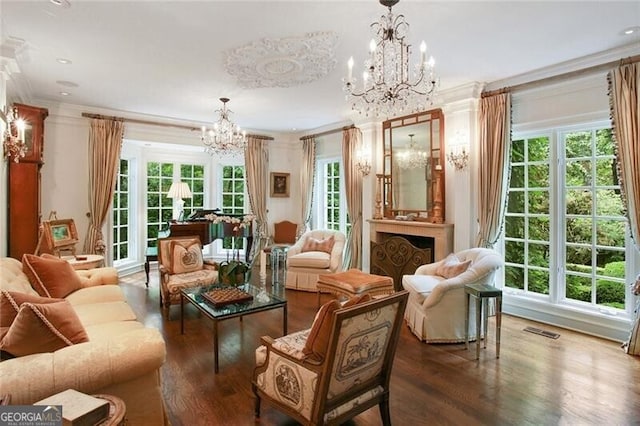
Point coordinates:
[(171, 59)]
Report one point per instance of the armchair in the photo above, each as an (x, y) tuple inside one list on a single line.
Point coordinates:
[(316, 252), (352, 377), (436, 308), (181, 266)]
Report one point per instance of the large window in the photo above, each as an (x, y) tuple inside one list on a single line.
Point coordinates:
[(331, 210), (160, 208), (565, 230), (233, 200), (121, 203)]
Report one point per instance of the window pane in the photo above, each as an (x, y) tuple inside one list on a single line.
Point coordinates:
[(605, 172), (538, 281), (604, 142), (578, 144), (579, 230), (538, 149), (516, 202), (578, 288), (517, 177), (539, 228), (514, 277), (539, 255), (539, 176), (579, 202), (514, 252), (517, 151), (539, 202), (514, 227)]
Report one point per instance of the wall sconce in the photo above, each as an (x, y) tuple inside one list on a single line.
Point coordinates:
[(363, 161), (13, 140), (459, 160)]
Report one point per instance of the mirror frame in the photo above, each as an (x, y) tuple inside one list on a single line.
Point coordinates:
[(435, 212)]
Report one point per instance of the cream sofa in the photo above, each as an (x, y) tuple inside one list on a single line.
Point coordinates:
[(122, 358), (304, 267)]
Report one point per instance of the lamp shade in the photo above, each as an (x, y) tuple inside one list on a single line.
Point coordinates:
[(179, 190)]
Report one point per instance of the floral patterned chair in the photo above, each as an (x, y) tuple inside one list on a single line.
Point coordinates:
[(349, 378), (181, 266)]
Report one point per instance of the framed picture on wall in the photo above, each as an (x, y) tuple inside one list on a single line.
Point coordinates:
[(280, 184)]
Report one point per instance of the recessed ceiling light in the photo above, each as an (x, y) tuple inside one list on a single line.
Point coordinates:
[(631, 30), (61, 3), (64, 61), (66, 83), (65, 93)]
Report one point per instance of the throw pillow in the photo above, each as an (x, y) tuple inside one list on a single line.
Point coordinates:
[(44, 327), (185, 257), (451, 266), (316, 345), (361, 298), (10, 302), (312, 244), (50, 276)]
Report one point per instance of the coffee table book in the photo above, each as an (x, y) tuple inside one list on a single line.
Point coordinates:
[(78, 409)]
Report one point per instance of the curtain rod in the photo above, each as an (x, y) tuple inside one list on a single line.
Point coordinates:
[(328, 132), (564, 76), (157, 123)]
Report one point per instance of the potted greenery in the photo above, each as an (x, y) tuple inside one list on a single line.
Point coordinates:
[(233, 272)]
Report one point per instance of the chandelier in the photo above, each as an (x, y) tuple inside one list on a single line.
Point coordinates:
[(225, 138), (387, 88), (13, 140), (412, 157)]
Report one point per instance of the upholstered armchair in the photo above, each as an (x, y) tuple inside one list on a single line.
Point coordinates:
[(316, 252), (343, 372), (436, 308), (181, 266)]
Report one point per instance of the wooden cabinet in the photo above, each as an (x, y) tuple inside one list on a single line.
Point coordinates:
[(24, 185)]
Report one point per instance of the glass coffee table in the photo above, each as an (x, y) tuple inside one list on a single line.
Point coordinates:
[(262, 301)]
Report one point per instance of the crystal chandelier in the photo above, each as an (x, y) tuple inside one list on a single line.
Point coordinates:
[(412, 157), (225, 138), (387, 88), (13, 141)]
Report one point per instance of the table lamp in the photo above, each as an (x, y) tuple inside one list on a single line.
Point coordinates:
[(178, 191)]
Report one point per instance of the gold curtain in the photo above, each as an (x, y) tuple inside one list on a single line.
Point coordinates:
[(625, 107), (105, 142), (351, 141), (256, 162), (307, 177), (494, 153)]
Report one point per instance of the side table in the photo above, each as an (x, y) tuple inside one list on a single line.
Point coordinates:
[(482, 292), (85, 261), (117, 411), (150, 255), (278, 264)]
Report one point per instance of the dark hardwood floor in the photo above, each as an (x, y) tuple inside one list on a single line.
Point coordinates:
[(573, 380)]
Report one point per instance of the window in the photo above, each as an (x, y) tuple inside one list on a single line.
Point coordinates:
[(121, 202), (233, 200), (331, 208), (567, 219), (159, 207), (193, 175)]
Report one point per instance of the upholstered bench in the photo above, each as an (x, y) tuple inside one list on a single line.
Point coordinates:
[(354, 282)]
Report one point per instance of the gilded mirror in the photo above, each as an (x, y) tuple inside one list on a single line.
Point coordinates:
[(413, 169)]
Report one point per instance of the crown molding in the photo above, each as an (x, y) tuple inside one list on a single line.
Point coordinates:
[(578, 64)]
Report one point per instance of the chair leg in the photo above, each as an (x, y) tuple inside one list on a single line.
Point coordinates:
[(384, 411), (256, 408)]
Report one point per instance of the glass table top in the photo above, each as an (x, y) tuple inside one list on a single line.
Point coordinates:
[(262, 300)]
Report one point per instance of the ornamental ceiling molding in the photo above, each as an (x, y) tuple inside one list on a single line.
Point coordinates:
[(283, 62)]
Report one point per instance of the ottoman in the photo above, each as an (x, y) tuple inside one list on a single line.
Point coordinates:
[(354, 282)]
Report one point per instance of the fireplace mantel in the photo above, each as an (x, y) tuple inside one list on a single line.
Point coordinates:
[(442, 233)]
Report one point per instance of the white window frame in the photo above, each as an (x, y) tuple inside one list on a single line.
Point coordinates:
[(554, 308), (320, 211)]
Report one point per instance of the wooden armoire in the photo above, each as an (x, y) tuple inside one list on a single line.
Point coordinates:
[(24, 213)]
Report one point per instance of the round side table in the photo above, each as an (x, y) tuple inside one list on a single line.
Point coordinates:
[(117, 411), (85, 261)]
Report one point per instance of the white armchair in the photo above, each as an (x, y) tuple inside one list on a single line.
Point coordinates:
[(314, 254), (436, 309)]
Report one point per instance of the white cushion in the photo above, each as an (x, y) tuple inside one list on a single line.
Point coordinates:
[(310, 259), (420, 285)]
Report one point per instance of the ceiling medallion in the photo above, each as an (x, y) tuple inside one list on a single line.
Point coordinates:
[(283, 62)]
